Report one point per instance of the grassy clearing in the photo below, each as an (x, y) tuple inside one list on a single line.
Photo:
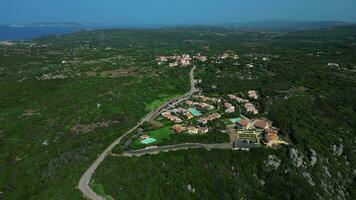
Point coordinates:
[(99, 189), (161, 135), (157, 103)]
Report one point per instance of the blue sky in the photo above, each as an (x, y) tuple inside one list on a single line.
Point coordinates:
[(173, 11)]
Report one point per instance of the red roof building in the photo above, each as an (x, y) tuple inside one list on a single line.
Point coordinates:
[(262, 124)]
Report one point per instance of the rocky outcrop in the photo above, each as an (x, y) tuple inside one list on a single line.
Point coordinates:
[(296, 157), (272, 162), (326, 171), (309, 179), (337, 149), (50, 76), (190, 188), (313, 157)]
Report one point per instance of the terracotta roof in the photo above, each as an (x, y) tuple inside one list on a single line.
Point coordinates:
[(261, 124), (272, 137), (244, 122), (272, 131), (178, 128)]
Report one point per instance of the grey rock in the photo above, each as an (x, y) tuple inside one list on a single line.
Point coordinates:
[(326, 171), (273, 162), (190, 188), (309, 179), (337, 149), (313, 157), (296, 157)]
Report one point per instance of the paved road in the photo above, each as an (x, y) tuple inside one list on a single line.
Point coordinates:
[(176, 147), (84, 181)]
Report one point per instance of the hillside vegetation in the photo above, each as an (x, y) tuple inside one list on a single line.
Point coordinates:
[(307, 83), (64, 99)]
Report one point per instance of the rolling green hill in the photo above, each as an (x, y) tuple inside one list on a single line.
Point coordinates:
[(64, 99)]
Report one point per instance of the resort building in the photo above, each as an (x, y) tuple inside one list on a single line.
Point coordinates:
[(205, 105), (238, 99), (204, 98), (203, 120), (178, 128), (229, 108), (144, 137), (171, 117), (192, 130), (213, 116), (201, 58), (271, 135), (189, 103), (245, 124), (252, 94), (189, 115), (262, 124), (203, 130), (251, 108)]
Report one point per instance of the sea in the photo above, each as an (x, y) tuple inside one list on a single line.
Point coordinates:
[(11, 33)]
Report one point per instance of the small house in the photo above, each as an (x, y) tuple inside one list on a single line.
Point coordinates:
[(203, 130)]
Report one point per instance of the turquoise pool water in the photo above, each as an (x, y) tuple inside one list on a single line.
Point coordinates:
[(148, 141), (195, 112)]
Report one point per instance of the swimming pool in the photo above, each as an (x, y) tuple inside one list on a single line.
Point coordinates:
[(148, 141), (235, 120), (195, 112)]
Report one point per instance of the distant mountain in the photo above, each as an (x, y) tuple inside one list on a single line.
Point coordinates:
[(287, 25)]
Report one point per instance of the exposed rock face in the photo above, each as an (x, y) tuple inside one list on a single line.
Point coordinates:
[(333, 65), (190, 188), (313, 157), (87, 128), (273, 162), (326, 171), (296, 157), (50, 76), (337, 149), (309, 179)]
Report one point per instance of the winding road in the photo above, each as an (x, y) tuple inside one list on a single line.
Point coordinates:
[(176, 147), (84, 181)]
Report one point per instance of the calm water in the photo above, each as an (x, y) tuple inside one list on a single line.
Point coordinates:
[(25, 33)]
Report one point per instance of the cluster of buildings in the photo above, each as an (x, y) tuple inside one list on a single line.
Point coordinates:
[(180, 60), (200, 104), (252, 94), (178, 128), (211, 117), (205, 99), (200, 57), (190, 113), (229, 54), (253, 131), (168, 115), (250, 107), (178, 115), (186, 60), (175, 61), (229, 108)]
